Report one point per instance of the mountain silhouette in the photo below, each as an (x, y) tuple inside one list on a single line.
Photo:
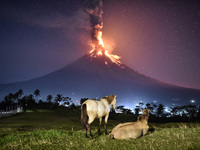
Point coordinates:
[(95, 77)]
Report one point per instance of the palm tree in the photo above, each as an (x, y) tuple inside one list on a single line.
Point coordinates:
[(37, 93), (15, 97), (58, 98), (9, 100), (49, 98), (30, 101), (23, 101), (20, 93)]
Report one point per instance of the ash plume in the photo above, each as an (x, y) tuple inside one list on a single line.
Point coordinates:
[(94, 9)]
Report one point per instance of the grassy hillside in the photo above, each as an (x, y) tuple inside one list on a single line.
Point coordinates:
[(62, 129)]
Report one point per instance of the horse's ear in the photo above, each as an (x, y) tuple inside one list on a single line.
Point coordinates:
[(141, 109)]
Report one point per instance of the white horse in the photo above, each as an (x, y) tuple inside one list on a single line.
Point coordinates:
[(92, 109)]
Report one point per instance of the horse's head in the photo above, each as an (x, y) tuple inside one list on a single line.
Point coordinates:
[(145, 111), (145, 115), (111, 99), (114, 101)]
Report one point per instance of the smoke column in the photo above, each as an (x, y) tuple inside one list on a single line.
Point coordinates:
[(94, 9)]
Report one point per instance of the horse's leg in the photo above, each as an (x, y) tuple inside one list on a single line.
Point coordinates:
[(100, 121), (106, 120), (88, 128), (85, 127), (86, 132), (90, 120), (91, 136)]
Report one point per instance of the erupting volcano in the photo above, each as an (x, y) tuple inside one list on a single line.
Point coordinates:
[(100, 73), (99, 50)]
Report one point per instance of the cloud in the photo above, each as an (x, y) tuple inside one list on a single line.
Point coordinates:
[(42, 16), (51, 19), (75, 26)]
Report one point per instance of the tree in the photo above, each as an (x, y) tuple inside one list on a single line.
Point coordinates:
[(72, 107), (49, 98), (6, 99), (141, 105), (58, 98), (120, 108), (9, 100), (127, 111), (30, 101), (174, 110), (149, 106), (37, 93), (66, 100), (137, 109), (20, 93), (83, 100), (199, 113), (160, 110), (192, 111), (23, 102)]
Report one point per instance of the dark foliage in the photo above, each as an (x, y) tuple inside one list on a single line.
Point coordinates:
[(158, 114)]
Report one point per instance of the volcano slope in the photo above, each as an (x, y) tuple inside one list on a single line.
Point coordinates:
[(94, 76)]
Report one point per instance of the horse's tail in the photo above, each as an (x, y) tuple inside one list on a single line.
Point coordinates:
[(84, 116), (111, 136)]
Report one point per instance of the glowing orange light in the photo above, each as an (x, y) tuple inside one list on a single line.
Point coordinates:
[(99, 37), (100, 50), (99, 53)]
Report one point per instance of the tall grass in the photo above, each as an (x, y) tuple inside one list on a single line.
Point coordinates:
[(62, 130)]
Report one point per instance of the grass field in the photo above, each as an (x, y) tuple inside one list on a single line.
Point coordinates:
[(62, 129)]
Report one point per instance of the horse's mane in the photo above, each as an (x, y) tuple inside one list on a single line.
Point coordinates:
[(109, 98)]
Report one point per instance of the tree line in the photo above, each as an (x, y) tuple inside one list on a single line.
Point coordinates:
[(161, 113), (34, 101)]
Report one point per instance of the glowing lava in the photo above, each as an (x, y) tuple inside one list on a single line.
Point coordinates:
[(99, 50)]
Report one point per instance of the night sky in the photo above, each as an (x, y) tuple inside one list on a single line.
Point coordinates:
[(159, 38)]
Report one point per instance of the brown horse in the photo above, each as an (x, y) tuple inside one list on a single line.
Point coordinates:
[(132, 129), (92, 109)]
